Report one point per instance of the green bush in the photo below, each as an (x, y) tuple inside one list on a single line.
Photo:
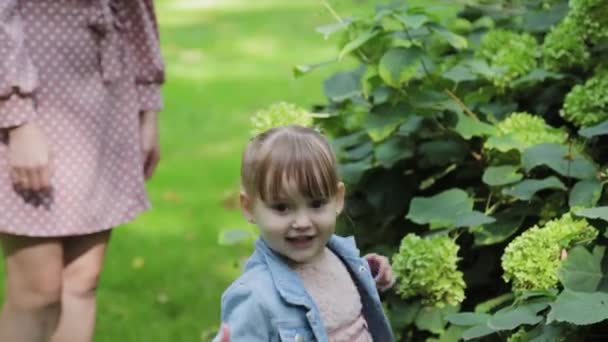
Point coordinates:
[(510, 55), (531, 260), (587, 104), (475, 141), (427, 268), (280, 114), (563, 50)]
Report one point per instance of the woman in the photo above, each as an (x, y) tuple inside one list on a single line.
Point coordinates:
[(79, 92)]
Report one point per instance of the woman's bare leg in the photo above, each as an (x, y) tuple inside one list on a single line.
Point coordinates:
[(33, 288), (83, 257)]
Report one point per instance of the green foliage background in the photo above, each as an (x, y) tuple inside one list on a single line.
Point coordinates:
[(484, 126)]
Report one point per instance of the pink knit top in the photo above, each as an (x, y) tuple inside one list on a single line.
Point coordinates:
[(331, 287)]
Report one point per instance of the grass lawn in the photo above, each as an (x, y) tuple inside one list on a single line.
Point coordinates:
[(225, 59), (165, 272)]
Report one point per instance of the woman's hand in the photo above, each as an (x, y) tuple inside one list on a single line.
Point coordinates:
[(381, 271), (150, 146), (29, 158)]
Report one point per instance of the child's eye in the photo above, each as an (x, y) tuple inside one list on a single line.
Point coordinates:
[(280, 207), (318, 203)]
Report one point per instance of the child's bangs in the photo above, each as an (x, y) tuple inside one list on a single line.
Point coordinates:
[(310, 170)]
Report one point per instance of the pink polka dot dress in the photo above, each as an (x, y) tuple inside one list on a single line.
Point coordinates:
[(83, 70)]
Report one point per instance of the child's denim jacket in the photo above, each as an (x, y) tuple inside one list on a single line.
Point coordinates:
[(269, 302)]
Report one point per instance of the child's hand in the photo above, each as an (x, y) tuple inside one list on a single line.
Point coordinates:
[(381, 271), (225, 333)]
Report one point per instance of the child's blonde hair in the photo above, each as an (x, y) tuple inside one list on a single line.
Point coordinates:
[(289, 154)]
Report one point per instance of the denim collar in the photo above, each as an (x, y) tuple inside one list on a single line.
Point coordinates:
[(288, 283)]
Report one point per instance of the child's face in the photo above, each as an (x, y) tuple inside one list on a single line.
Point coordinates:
[(295, 226)]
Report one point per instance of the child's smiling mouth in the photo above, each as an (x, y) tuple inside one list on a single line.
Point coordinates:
[(301, 242)]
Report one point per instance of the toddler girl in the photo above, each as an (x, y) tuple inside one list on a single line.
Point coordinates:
[(303, 283)]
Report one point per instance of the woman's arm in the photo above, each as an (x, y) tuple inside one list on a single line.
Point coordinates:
[(29, 155), (149, 76), (18, 77), (144, 37)]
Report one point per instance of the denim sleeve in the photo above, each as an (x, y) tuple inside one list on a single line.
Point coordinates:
[(245, 316), (368, 277)]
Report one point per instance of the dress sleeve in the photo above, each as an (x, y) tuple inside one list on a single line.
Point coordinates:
[(150, 73), (18, 76)]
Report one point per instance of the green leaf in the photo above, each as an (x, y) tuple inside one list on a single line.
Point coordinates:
[(450, 208), (343, 85), (542, 20), (492, 303), (358, 152), (477, 331), (585, 193), (357, 43), (352, 172), (580, 308), (399, 65), (430, 319), (468, 318), (328, 30), (526, 189), (512, 317), (484, 22), (550, 294), (501, 175), (412, 124), (481, 67), (370, 80), (459, 73), (405, 314), (468, 127), (381, 94), (546, 333), (599, 129), (507, 223), (302, 69), (349, 141), (452, 334), (536, 76), (593, 213), (412, 21), (582, 271), (497, 109), (381, 133), (458, 42), (428, 99), (393, 150), (474, 218), (384, 120), (559, 159)]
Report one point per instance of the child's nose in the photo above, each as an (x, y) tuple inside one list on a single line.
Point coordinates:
[(301, 220)]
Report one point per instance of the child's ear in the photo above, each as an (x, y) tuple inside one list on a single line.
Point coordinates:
[(246, 206), (340, 198)]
